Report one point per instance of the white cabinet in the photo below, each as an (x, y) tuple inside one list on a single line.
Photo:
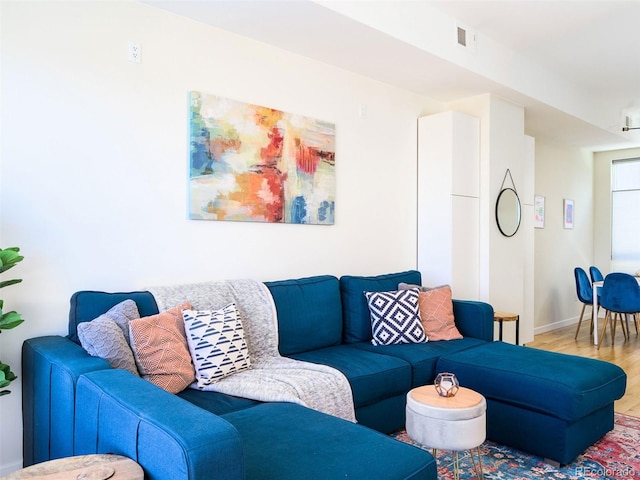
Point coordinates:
[(448, 202)]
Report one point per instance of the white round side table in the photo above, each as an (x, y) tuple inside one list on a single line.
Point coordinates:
[(455, 423)]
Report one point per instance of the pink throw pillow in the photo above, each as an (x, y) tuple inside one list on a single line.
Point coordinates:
[(160, 348), (436, 314)]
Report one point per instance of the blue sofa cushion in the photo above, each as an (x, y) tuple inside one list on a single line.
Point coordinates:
[(564, 386), (216, 402), (87, 305), (423, 357), (309, 313), (355, 311), (286, 441), (372, 377)]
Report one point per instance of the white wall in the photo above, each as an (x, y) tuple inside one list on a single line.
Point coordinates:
[(507, 254), (94, 164), (562, 172)]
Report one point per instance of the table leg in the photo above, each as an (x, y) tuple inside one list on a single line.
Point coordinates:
[(594, 314), (500, 336), (518, 330)]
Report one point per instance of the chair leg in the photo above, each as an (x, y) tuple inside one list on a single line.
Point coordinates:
[(584, 305), (617, 317), (628, 330), (623, 325), (604, 329)]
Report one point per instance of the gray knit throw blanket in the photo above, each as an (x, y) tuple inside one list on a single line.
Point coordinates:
[(271, 378)]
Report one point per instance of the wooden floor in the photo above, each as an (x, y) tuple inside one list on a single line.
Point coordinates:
[(624, 353)]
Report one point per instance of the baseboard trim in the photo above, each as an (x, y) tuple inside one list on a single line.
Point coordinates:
[(555, 326), (564, 323)]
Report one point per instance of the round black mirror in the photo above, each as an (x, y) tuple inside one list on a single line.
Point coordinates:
[(508, 212)]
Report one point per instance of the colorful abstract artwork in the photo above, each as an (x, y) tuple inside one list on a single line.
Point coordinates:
[(257, 164)]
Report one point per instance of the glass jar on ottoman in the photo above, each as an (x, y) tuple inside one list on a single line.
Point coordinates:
[(454, 423)]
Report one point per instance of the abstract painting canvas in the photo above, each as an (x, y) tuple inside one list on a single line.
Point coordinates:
[(258, 164)]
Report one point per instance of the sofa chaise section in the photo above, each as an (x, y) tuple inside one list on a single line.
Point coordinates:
[(550, 404), (285, 441), (174, 439)]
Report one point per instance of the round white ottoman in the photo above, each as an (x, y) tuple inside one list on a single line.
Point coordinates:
[(448, 423)]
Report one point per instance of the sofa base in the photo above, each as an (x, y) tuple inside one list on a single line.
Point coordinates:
[(386, 416), (545, 403), (555, 440)]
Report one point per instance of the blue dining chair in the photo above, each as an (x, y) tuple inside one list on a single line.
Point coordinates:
[(595, 274), (585, 295), (620, 294)]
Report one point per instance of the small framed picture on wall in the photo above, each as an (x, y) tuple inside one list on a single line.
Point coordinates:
[(568, 213), (538, 209)]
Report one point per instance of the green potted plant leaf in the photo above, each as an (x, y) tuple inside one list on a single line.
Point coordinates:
[(9, 257)]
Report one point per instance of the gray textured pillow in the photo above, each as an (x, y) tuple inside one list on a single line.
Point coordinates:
[(122, 314), (103, 338), (409, 286)]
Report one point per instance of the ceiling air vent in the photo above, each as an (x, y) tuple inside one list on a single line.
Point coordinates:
[(466, 38), (462, 36)]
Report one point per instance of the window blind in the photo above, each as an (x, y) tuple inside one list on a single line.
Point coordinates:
[(625, 210)]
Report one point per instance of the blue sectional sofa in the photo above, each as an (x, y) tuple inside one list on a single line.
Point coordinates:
[(547, 404)]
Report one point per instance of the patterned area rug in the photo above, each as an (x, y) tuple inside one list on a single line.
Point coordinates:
[(615, 456)]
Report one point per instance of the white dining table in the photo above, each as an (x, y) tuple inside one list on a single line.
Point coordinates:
[(595, 286)]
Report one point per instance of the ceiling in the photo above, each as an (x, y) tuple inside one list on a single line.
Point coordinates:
[(593, 45), (586, 53)]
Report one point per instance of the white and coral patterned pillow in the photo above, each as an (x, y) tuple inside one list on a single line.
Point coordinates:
[(436, 314), (160, 349), (216, 342), (395, 317)]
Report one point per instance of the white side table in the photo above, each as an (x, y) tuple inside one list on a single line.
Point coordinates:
[(448, 423)]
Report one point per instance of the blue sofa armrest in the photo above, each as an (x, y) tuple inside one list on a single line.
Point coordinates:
[(169, 437), (474, 319), (51, 367)]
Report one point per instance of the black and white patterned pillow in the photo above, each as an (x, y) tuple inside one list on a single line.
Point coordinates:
[(216, 342), (395, 317)]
